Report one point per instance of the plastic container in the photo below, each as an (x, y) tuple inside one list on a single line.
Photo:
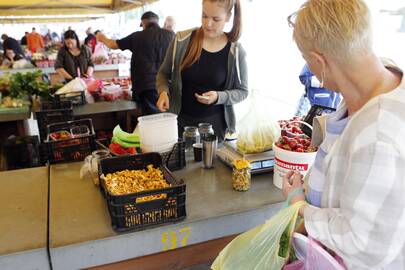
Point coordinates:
[(74, 149), (176, 158), (111, 92), (286, 161), (158, 132), (52, 112), (128, 214), (77, 98)]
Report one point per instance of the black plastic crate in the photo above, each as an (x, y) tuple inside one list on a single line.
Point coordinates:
[(22, 152), (126, 213), (176, 158), (77, 98), (74, 149), (50, 113)]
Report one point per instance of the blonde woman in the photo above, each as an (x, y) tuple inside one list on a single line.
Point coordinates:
[(357, 184), (204, 72)]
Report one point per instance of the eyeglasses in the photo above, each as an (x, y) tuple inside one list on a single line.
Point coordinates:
[(291, 19)]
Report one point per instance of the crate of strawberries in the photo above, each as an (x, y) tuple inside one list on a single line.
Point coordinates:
[(292, 151)]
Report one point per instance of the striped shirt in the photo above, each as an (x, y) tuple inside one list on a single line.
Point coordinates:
[(362, 214), (335, 124)]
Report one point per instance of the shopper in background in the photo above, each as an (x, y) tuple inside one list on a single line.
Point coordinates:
[(11, 43), (73, 60), (356, 187), (315, 94), (169, 23), (23, 40), (35, 41), (90, 41), (148, 49), (10, 57), (209, 72)]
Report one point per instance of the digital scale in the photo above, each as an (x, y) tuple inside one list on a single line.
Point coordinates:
[(260, 162)]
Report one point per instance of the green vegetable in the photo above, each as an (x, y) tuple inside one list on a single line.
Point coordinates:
[(124, 143), (28, 84), (125, 136)]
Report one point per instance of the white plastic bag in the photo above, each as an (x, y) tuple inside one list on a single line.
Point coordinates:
[(257, 130), (75, 85), (100, 54), (259, 248)]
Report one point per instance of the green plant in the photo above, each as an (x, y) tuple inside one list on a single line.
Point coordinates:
[(28, 84)]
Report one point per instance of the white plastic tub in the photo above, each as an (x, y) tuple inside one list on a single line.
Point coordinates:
[(286, 161), (158, 132)]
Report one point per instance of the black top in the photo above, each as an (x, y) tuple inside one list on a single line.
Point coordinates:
[(209, 73), (148, 49), (11, 43), (24, 40), (70, 62)]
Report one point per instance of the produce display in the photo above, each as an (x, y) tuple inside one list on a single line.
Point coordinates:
[(132, 181), (116, 88), (9, 102), (241, 176), (293, 138), (60, 135), (123, 143)]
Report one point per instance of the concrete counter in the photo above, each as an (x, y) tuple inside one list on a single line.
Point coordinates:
[(81, 234), (23, 219)]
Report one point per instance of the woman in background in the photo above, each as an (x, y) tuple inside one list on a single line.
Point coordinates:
[(207, 70), (73, 60)]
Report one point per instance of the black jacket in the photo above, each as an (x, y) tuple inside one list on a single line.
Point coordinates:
[(11, 43), (148, 49)]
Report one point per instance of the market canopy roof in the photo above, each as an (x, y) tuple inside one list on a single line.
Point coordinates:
[(14, 9)]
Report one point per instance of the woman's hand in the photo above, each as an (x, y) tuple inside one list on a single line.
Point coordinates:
[(163, 102), (293, 180), (207, 98)]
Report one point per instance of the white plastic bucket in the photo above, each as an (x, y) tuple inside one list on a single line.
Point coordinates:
[(286, 161), (158, 132)]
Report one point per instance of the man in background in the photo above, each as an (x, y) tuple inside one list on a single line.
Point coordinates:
[(148, 49), (169, 24), (35, 41), (12, 44), (23, 40)]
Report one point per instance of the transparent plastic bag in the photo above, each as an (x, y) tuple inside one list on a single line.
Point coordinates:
[(313, 256), (256, 130), (260, 247)]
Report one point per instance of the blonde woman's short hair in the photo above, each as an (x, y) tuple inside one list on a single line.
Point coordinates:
[(339, 29)]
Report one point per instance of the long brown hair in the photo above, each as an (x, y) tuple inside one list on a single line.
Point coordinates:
[(194, 48)]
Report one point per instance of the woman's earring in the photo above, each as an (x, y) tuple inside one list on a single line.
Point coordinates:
[(322, 79)]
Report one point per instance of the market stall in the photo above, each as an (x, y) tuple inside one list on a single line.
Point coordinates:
[(81, 235), (100, 71)]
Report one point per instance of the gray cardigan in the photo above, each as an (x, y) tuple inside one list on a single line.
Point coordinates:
[(236, 86)]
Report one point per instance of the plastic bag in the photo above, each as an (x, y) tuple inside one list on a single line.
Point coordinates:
[(23, 63), (260, 247), (75, 85), (257, 131), (312, 255), (100, 54)]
